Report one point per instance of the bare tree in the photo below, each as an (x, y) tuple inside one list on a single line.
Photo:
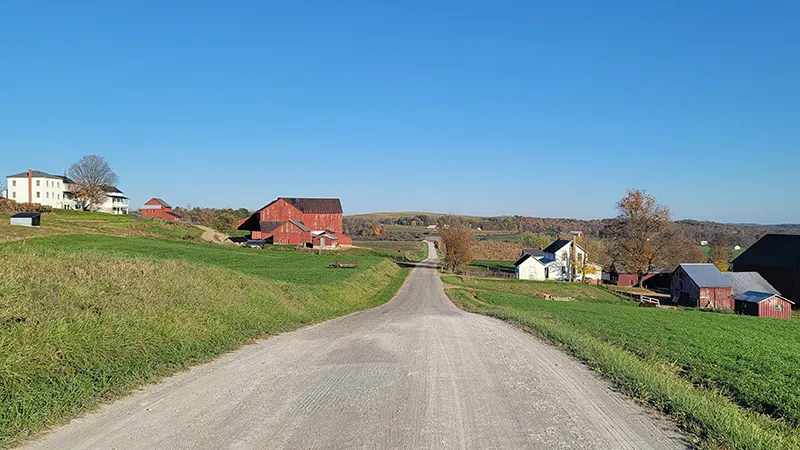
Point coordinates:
[(457, 242), (91, 177), (641, 233)]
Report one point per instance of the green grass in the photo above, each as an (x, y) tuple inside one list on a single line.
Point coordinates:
[(731, 380), (64, 222), (273, 263), (85, 319), (493, 265), (538, 289)]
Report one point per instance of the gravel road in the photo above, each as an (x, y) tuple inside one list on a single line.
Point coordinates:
[(414, 373)]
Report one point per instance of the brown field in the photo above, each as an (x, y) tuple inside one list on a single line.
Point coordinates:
[(496, 250)]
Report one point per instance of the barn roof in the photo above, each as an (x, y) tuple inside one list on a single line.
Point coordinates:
[(266, 227), (300, 225), (160, 202), (706, 275), (758, 297), (749, 281), (313, 205), (773, 250)]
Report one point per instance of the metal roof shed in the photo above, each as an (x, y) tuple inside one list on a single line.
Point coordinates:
[(27, 219)]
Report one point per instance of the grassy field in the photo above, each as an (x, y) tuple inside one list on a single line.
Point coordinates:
[(411, 250), (731, 380), (706, 249), (84, 319), (493, 265), (63, 222)]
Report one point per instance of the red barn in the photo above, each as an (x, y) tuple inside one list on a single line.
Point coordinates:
[(157, 208), (701, 286), (296, 221)]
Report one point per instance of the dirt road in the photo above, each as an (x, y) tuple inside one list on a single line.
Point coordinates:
[(414, 373)]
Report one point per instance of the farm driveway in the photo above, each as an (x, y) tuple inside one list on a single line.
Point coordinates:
[(414, 373)]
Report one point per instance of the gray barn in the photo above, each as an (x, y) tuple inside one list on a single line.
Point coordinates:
[(27, 219)]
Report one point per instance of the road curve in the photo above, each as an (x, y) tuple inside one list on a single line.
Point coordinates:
[(414, 373)]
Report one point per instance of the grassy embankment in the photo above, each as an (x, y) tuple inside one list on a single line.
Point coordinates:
[(62, 222), (730, 380), (85, 319)]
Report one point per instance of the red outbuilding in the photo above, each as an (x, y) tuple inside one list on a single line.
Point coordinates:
[(701, 286), (763, 304), (157, 208), (297, 221)]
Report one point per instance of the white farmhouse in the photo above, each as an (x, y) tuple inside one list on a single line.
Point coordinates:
[(553, 263), (34, 186)]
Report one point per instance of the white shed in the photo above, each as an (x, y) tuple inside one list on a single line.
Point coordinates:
[(27, 219)]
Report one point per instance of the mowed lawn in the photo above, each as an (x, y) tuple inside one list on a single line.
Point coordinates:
[(732, 380), (85, 319)]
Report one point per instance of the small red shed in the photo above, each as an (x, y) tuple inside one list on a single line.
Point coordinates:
[(763, 304)]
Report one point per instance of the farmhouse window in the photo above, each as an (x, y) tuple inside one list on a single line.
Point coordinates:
[(37, 182), (14, 194), (14, 183), (38, 194)]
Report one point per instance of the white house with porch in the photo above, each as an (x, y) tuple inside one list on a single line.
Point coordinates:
[(555, 263), (43, 188)]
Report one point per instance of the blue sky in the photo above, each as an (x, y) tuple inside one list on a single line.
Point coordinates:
[(485, 108)]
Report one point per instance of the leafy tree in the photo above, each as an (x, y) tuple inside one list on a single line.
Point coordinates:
[(91, 176), (641, 233), (457, 242), (720, 253), (535, 240)]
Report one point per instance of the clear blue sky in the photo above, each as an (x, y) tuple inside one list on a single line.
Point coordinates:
[(549, 109)]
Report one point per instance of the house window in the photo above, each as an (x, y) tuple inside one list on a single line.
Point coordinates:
[(14, 183), (37, 182), (38, 194), (47, 183), (47, 195), (547, 272), (14, 194)]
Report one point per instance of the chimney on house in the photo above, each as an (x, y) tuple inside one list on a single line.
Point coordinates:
[(30, 186)]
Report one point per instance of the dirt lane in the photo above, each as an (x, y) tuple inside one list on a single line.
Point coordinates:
[(414, 373)]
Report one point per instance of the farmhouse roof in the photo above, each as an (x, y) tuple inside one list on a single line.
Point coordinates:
[(313, 205), (299, 224), (558, 245), (758, 297), (26, 215), (266, 227), (522, 259), (532, 252), (749, 281), (706, 275), (40, 174), (773, 250)]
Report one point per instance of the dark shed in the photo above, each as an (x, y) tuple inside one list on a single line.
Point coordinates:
[(776, 257), (27, 219)]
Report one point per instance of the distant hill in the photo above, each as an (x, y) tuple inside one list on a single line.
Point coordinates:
[(365, 224)]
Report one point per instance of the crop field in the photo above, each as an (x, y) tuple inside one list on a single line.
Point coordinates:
[(412, 250), (731, 380), (78, 222), (85, 319)]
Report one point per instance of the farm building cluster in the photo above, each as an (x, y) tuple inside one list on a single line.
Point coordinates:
[(764, 281), (311, 222)]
